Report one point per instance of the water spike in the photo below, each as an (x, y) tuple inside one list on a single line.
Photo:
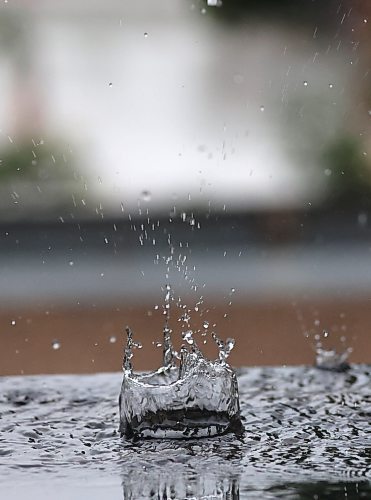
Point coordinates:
[(224, 347), (168, 350), (183, 354), (128, 352)]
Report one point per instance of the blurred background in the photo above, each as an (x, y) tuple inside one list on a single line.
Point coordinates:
[(221, 147)]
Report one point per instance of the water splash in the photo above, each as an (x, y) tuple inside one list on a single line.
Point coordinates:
[(197, 398), (330, 358)]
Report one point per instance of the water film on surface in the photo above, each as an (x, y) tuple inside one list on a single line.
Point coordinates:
[(306, 430)]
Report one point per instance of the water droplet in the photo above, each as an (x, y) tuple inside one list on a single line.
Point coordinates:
[(262, 108), (71, 263), (146, 195), (13, 322), (205, 325), (145, 35), (188, 337), (185, 317), (327, 172), (325, 333), (110, 84), (229, 344), (305, 83), (203, 11), (331, 85), (365, 20), (317, 322), (112, 339), (56, 345)]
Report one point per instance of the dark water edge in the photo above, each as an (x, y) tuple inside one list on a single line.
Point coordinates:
[(308, 435)]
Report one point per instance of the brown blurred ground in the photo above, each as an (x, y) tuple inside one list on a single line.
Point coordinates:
[(266, 334)]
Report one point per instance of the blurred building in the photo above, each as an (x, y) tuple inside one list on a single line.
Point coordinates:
[(217, 148)]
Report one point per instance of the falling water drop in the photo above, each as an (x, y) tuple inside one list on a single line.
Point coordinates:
[(13, 322), (146, 195), (56, 345), (188, 337)]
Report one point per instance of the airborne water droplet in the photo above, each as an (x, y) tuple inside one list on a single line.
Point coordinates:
[(305, 83), (13, 322), (112, 339), (56, 345), (146, 195), (188, 337)]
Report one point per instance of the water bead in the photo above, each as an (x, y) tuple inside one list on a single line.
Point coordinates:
[(56, 345)]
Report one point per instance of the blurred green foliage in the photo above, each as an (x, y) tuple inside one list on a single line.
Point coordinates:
[(289, 11), (30, 161), (349, 174)]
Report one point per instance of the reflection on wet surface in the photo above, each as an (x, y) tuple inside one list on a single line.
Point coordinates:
[(307, 436)]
